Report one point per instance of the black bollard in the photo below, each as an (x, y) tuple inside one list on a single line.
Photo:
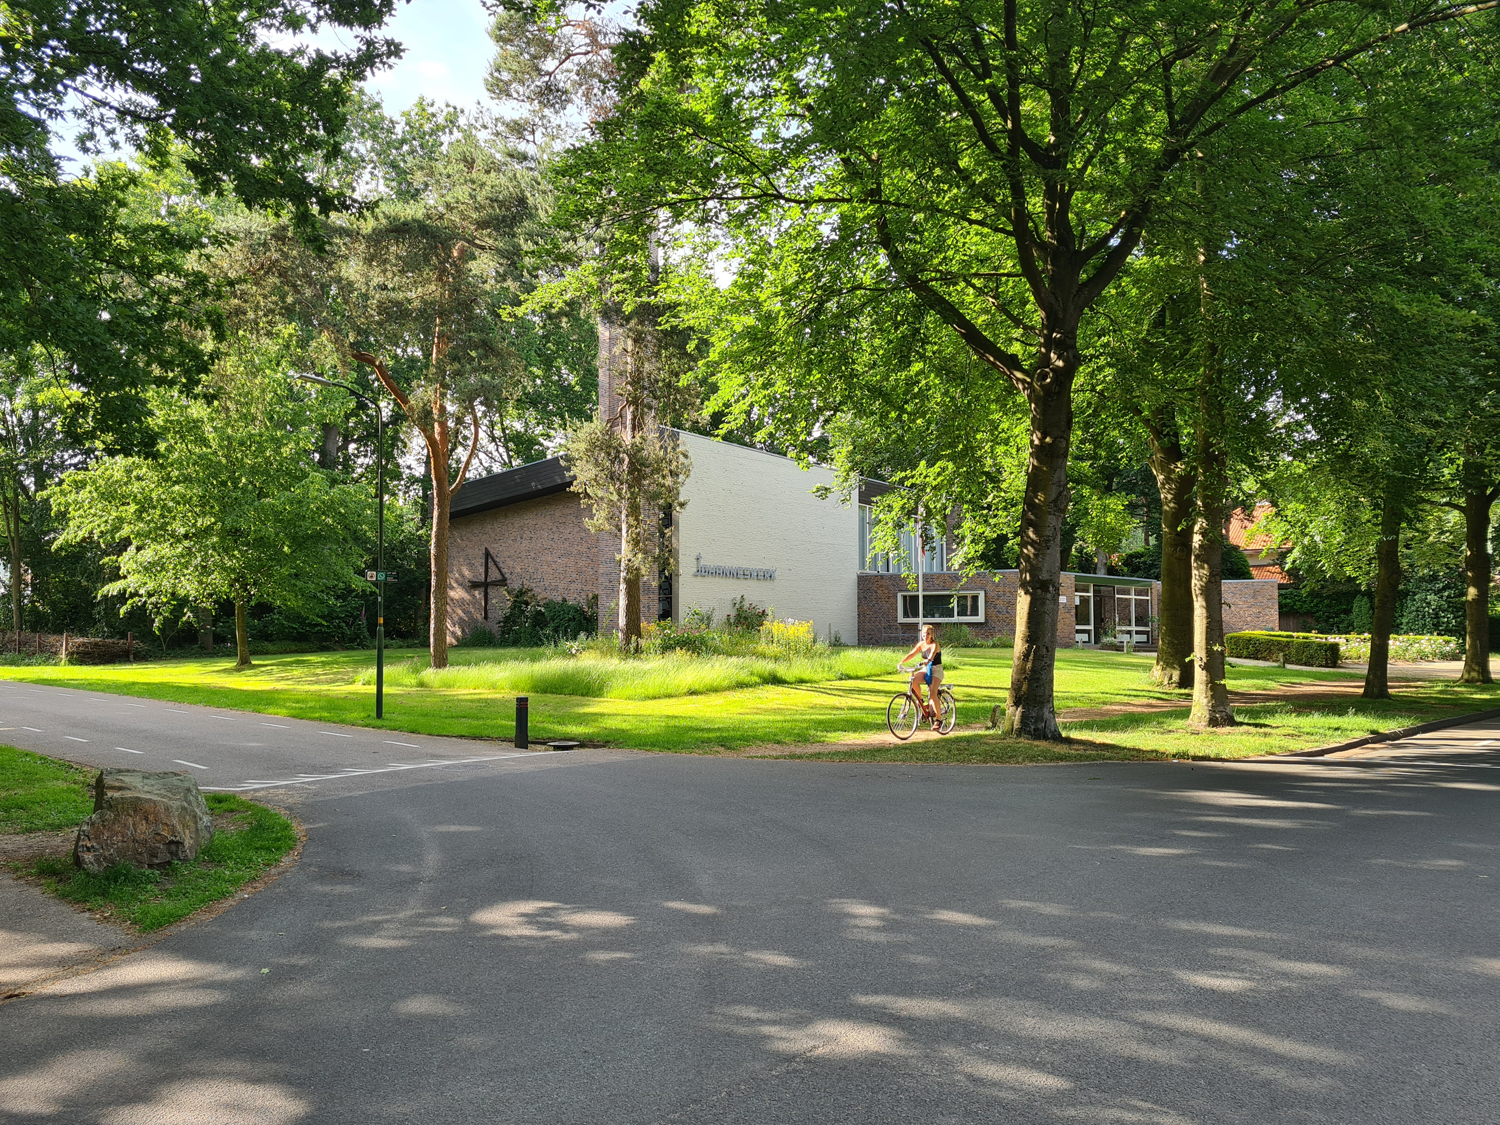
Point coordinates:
[(523, 723)]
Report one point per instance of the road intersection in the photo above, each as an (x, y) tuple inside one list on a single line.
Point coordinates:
[(627, 938)]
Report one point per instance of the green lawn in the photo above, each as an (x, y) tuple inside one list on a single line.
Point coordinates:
[(42, 794), (326, 687)]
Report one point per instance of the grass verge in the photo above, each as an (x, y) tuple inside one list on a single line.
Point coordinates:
[(41, 794), (1267, 728), (323, 688)]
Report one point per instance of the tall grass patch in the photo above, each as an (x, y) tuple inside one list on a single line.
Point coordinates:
[(599, 676)]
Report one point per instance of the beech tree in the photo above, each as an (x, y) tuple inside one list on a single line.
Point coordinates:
[(1001, 161)]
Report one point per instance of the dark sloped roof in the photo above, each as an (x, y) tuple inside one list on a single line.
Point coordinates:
[(529, 482)]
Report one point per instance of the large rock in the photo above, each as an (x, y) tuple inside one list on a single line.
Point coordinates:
[(142, 819)]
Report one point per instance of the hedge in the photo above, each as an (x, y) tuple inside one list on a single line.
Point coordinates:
[(1298, 648)]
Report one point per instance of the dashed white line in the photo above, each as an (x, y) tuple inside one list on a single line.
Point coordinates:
[(335, 734), (279, 726), (226, 718), (36, 691), (408, 745), (195, 765), (74, 738), (174, 711), (33, 730), (128, 750), (307, 779), (140, 705)]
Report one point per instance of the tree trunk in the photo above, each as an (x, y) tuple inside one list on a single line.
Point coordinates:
[(13, 534), (1175, 480), (1029, 709), (437, 628), (1478, 500), (630, 585), (328, 452), (1101, 562), (241, 636), (1210, 689), (1387, 583)]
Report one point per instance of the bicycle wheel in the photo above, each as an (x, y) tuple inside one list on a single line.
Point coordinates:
[(949, 711), (902, 715)]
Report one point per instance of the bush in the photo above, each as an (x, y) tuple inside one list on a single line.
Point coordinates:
[(956, 636), (1296, 648), (744, 616), (1403, 648), (1361, 615), (661, 637), (1432, 604), (529, 621), (481, 636)]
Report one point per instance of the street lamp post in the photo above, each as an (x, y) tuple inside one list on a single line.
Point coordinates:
[(379, 533)]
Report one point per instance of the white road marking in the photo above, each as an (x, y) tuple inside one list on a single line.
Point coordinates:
[(128, 750), (226, 718), (36, 691), (33, 730), (335, 734), (281, 726), (175, 711), (408, 745), (141, 705), (307, 779), (195, 765), (74, 738)]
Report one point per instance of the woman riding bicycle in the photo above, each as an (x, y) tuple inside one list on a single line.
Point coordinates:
[(928, 673)]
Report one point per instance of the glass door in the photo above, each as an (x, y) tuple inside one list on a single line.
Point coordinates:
[(1133, 613), (1083, 631)]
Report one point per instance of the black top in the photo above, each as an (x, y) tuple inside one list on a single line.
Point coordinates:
[(934, 656)]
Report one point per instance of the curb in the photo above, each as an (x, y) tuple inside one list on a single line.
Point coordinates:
[(1390, 735)]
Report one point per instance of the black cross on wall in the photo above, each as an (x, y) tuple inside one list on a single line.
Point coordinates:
[(488, 582)]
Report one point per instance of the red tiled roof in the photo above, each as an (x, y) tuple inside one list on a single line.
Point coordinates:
[(1240, 522), (1270, 570)]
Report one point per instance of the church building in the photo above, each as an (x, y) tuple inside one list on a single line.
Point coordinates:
[(754, 528)]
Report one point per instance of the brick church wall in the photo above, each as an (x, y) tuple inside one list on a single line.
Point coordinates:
[(879, 623), (541, 544)]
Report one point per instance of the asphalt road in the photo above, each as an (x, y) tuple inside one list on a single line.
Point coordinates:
[(227, 751), (621, 938)]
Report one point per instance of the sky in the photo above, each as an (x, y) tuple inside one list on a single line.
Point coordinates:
[(447, 54)]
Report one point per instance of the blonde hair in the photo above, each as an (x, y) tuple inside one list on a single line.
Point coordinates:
[(930, 629)]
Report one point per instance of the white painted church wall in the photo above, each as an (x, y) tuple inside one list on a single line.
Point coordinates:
[(747, 508)]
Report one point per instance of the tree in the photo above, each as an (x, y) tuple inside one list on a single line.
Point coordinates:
[(231, 507), (426, 291), (1001, 162), (628, 469), (103, 284)]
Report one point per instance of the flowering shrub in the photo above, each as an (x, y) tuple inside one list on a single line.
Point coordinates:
[(659, 637), (790, 635), (1356, 649), (744, 616)]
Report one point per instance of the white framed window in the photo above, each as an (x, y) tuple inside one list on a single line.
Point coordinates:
[(934, 561), (941, 605)]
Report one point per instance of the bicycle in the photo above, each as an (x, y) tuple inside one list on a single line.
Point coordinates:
[(904, 713)]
